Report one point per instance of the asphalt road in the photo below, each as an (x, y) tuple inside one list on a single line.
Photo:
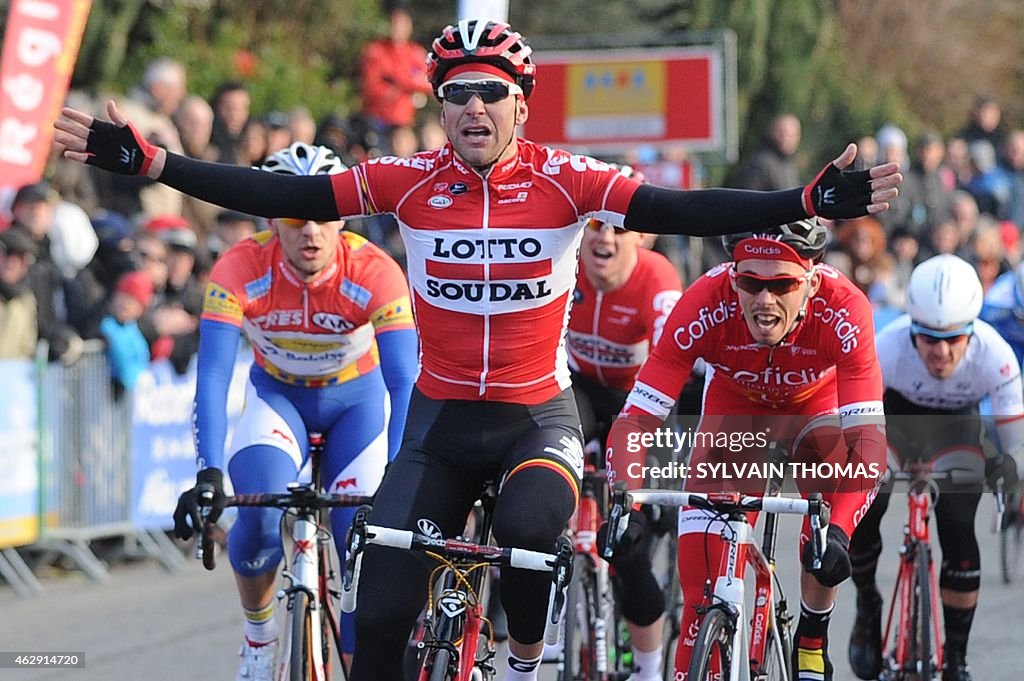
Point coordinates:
[(152, 625)]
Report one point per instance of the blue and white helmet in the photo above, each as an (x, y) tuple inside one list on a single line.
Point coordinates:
[(303, 159)]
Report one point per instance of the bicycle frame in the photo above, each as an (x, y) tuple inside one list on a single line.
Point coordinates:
[(460, 607), (459, 612), (727, 590), (308, 570), (305, 575), (916, 538), (730, 591), (583, 526)]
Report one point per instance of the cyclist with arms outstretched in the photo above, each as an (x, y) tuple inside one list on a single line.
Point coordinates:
[(789, 348), (330, 322), (940, 360), (491, 225)]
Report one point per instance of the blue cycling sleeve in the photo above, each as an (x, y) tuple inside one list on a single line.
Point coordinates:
[(399, 353), (218, 345)]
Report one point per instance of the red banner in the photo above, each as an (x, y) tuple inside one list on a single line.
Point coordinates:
[(40, 48)]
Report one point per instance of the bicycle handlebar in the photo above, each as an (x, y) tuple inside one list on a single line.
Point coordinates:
[(558, 563), (722, 502), (300, 497)]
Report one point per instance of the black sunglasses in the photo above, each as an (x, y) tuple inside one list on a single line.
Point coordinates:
[(777, 286), (489, 91)]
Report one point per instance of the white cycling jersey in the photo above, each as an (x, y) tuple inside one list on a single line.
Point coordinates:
[(989, 368)]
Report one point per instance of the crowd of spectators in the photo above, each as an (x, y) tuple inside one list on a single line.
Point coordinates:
[(93, 255)]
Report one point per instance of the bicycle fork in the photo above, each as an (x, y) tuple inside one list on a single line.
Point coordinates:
[(304, 576)]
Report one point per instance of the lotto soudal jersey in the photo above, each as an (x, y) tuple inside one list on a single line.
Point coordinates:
[(829, 356), (491, 261), (321, 333), (611, 332)]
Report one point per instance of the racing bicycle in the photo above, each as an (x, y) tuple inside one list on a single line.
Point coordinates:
[(595, 644), (457, 641), (310, 582), (722, 650), (913, 630)]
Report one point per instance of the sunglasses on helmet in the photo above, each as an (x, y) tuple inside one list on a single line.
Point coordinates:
[(488, 90), (777, 286), (934, 336)]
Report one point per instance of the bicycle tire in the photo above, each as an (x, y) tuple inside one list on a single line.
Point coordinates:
[(713, 642), (775, 669), (921, 617), (578, 644), (1011, 548), (300, 665), (439, 671), (663, 561)]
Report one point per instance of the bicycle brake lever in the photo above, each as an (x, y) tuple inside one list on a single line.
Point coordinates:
[(205, 502), (356, 544), (819, 527), (616, 515)]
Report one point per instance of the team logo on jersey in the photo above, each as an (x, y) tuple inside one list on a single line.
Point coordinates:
[(440, 187), (332, 322), (220, 301), (354, 292), (518, 198), (439, 201), (577, 296), (838, 319), (707, 319), (459, 188)]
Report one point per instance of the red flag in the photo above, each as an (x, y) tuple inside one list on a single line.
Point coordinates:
[(40, 48)]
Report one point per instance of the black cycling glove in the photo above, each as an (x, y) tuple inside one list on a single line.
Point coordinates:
[(186, 515), (633, 540), (119, 149), (835, 563), (1002, 467), (838, 194)]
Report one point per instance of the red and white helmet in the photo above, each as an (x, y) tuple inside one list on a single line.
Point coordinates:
[(481, 41)]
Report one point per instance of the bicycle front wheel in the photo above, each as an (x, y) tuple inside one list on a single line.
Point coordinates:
[(779, 653), (439, 672), (1011, 547), (921, 618), (300, 660), (712, 650), (579, 646)]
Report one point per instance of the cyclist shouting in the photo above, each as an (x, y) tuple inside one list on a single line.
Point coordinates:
[(491, 225), (788, 345), (939, 360), (622, 300), (329, 319)]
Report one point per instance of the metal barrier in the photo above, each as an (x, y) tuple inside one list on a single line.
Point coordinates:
[(86, 464)]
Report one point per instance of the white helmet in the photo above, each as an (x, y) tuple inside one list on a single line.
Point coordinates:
[(944, 292), (303, 159)]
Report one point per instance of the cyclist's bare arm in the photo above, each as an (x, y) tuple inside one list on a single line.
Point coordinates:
[(699, 213)]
